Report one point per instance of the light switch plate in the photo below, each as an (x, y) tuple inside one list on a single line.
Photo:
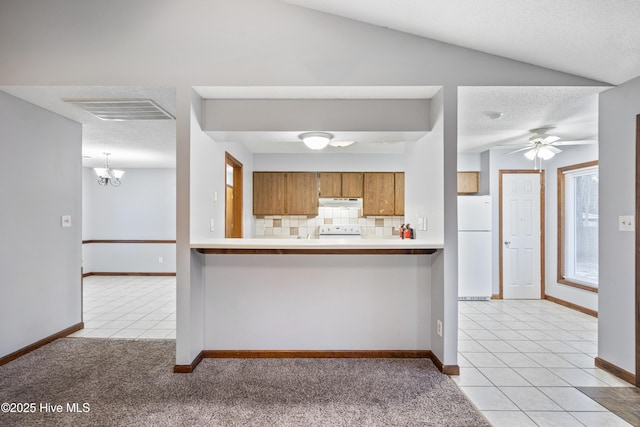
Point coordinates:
[(65, 220), (626, 223)]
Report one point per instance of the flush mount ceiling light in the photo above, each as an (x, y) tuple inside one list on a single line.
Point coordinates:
[(316, 140), (106, 175), (494, 115)]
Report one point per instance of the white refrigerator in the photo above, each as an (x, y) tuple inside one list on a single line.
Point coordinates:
[(474, 248)]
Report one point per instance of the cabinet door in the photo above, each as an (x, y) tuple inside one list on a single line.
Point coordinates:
[(330, 184), (379, 192), (301, 193), (398, 199), (468, 182), (352, 184), (268, 193)]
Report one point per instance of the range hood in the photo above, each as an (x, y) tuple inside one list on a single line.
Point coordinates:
[(339, 202)]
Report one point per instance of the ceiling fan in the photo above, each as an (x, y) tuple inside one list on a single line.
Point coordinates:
[(543, 146)]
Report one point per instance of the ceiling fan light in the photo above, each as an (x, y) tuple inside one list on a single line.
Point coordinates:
[(545, 154), (316, 140), (531, 154)]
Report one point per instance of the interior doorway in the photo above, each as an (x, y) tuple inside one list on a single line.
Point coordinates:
[(233, 197), (521, 234), (637, 267)]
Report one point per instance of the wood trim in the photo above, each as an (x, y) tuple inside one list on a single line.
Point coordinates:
[(187, 369), (616, 370), (637, 250), (84, 242), (24, 350), (311, 251), (572, 305), (542, 227), (445, 369), (561, 217), (127, 273), (496, 296), (238, 197), (317, 354)]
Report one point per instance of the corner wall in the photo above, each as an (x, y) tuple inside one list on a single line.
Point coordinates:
[(40, 180), (616, 299)]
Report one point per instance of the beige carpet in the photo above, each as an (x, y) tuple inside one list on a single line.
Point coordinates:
[(131, 383)]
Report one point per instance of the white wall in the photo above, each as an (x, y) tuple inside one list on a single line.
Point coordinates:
[(143, 207), (616, 297), (293, 302), (40, 180), (187, 43), (571, 155), (329, 162)]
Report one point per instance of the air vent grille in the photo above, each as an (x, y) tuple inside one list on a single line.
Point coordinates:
[(122, 109)]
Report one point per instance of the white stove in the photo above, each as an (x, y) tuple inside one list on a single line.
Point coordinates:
[(339, 232)]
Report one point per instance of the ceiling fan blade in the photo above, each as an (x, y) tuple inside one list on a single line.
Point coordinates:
[(550, 139), (519, 150), (577, 142), (553, 149)]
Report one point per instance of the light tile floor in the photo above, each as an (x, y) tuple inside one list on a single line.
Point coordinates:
[(520, 362), (129, 307)]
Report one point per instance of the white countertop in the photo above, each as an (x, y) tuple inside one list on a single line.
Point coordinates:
[(317, 244)]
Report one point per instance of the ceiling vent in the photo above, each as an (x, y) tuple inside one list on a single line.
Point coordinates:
[(122, 109)]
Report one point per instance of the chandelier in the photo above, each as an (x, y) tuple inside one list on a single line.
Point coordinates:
[(106, 175)]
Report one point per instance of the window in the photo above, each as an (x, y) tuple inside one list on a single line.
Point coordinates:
[(578, 226)]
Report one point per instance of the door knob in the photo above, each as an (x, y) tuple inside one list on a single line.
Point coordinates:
[(507, 243)]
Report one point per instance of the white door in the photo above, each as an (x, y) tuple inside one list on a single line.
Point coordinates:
[(521, 235)]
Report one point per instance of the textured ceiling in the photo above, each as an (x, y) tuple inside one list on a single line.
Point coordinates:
[(597, 39)]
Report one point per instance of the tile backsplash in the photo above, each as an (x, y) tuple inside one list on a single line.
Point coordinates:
[(292, 226)]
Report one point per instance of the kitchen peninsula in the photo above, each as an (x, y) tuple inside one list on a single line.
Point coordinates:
[(318, 298)]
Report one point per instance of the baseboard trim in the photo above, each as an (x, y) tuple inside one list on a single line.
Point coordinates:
[(445, 369), (128, 273), (28, 349), (572, 305), (325, 354), (187, 369), (615, 370), (496, 296)]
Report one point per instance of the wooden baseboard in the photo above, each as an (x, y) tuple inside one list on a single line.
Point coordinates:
[(63, 333), (445, 369), (496, 296), (187, 369), (615, 370), (320, 354), (111, 273), (572, 305)]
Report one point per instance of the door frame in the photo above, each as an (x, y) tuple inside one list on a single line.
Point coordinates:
[(637, 249), (229, 160), (542, 225)]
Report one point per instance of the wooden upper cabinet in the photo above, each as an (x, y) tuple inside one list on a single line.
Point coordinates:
[(301, 196), (379, 193), (330, 184), (398, 199), (468, 182), (268, 193), (352, 184)]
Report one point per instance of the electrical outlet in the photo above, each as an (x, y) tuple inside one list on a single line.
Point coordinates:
[(212, 225), (626, 223), (160, 260), (439, 327), (65, 220), (215, 198)]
